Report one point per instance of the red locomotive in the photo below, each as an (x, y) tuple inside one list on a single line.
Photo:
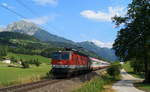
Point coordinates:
[(70, 62)]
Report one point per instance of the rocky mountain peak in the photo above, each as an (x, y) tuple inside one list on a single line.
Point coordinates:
[(23, 27), (101, 44)]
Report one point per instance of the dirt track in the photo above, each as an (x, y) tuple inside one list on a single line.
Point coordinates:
[(126, 84)]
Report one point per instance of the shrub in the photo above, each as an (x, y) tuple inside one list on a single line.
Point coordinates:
[(37, 63), (13, 59), (114, 70), (25, 64), (3, 51)]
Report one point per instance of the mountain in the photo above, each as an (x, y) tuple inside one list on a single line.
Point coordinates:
[(47, 40), (33, 30), (22, 43), (20, 40), (16, 35), (101, 49)]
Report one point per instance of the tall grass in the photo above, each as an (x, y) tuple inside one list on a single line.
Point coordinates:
[(12, 75), (21, 80), (96, 84)]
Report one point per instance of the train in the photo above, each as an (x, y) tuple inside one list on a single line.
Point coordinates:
[(72, 62)]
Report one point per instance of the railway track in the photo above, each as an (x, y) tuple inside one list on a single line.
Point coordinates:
[(29, 86), (39, 84)]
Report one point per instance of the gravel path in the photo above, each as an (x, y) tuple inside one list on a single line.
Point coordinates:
[(126, 84)]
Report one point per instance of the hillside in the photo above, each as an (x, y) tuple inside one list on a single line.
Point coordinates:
[(34, 30), (106, 53), (38, 41), (25, 44), (16, 35)]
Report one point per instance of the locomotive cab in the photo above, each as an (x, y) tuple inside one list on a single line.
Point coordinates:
[(60, 58), (61, 55), (67, 63), (60, 63)]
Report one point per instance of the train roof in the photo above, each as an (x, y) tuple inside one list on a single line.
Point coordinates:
[(76, 52)]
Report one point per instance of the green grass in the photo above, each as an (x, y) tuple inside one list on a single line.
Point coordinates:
[(142, 86), (96, 84), (29, 57), (12, 75), (129, 69)]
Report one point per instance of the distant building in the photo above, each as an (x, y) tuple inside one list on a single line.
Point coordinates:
[(8, 61), (122, 63)]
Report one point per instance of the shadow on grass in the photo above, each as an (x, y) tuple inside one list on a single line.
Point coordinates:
[(139, 75), (143, 86)]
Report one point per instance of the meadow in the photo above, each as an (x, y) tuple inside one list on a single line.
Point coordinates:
[(29, 57), (14, 75), (17, 75)]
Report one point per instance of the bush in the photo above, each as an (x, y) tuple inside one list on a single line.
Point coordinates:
[(14, 60), (114, 70), (3, 51), (37, 63), (25, 64)]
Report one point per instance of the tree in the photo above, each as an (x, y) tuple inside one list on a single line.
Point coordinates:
[(25, 64), (37, 63), (114, 69), (3, 51), (133, 39)]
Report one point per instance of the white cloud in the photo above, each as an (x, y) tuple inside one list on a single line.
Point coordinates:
[(6, 5), (46, 2), (104, 16), (102, 44), (41, 20)]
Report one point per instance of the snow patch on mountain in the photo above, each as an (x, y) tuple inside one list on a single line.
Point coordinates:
[(102, 44)]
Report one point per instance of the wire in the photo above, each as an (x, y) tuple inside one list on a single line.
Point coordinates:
[(28, 8), (20, 15), (35, 14)]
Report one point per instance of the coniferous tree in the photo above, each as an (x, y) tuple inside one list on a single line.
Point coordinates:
[(3, 51)]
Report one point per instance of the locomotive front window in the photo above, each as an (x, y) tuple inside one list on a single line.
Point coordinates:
[(56, 56), (61, 56), (65, 56)]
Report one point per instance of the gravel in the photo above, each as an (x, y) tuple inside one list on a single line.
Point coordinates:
[(68, 85)]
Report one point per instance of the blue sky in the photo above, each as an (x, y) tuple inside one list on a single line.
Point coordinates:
[(77, 20)]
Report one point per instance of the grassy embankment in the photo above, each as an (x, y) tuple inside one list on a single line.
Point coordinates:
[(101, 83), (98, 84), (142, 86), (18, 75)]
